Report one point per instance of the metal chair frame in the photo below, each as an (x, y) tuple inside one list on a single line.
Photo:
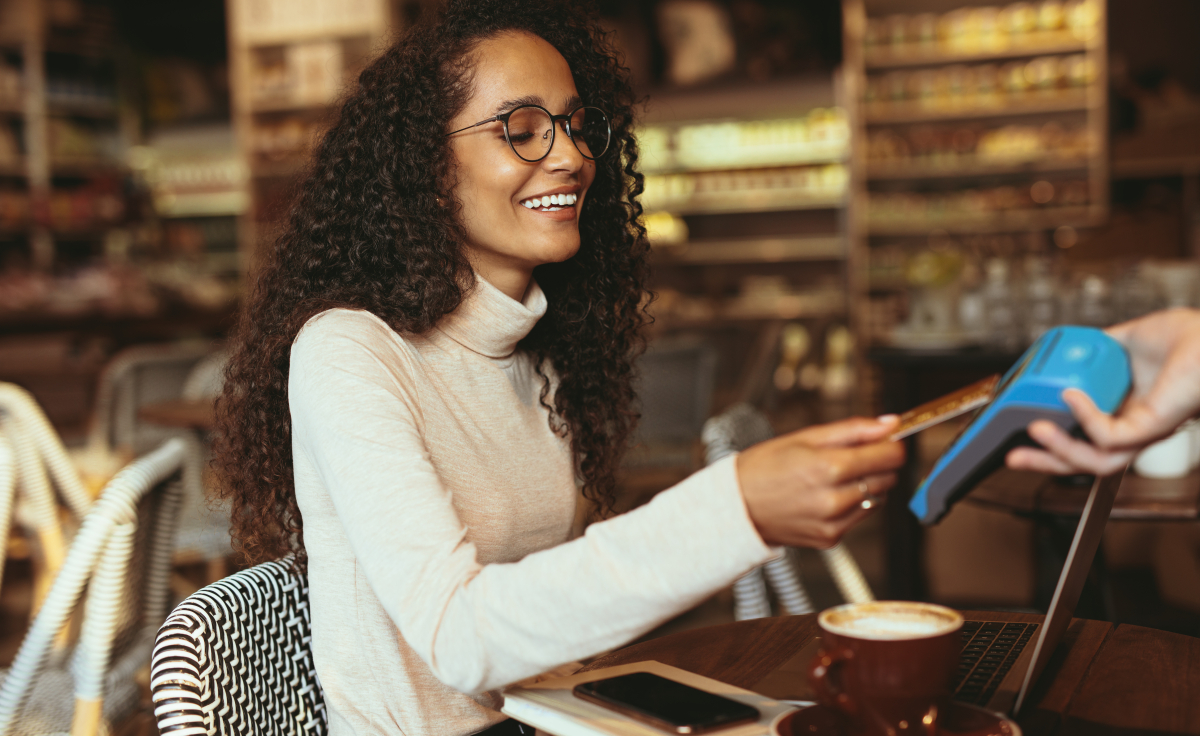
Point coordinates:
[(99, 557), (736, 429)]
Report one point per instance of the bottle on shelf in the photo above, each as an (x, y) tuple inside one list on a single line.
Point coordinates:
[(1003, 315)]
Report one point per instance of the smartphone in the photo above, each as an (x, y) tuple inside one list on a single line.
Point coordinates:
[(666, 704)]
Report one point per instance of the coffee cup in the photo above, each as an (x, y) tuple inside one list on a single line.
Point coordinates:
[(887, 667)]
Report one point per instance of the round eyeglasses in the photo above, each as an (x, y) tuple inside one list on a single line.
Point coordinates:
[(529, 130)]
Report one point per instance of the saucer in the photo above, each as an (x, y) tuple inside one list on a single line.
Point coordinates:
[(959, 719)]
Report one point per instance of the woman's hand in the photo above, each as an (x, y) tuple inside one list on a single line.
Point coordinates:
[(1164, 354), (805, 489)]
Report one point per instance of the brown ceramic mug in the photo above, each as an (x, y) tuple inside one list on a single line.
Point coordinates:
[(887, 667)]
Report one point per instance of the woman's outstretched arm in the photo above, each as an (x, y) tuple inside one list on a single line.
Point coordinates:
[(358, 427)]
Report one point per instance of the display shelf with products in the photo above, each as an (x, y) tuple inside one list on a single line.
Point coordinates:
[(61, 136), (753, 250), (289, 62), (971, 122), (745, 197)]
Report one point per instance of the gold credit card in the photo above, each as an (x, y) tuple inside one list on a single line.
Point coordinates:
[(947, 407)]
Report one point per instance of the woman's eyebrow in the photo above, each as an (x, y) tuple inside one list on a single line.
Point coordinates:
[(514, 104), (572, 102)]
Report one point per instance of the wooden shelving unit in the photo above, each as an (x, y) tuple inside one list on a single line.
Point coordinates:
[(65, 120), (970, 120), (746, 194), (286, 69)]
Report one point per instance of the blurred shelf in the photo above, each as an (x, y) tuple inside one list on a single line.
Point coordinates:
[(776, 98), (748, 201), (324, 32), (13, 168), (733, 314), (1050, 44), (81, 108), (1149, 168), (999, 222), (278, 169), (168, 323), (76, 234), (282, 106), (756, 250), (12, 107), (73, 234), (84, 167), (827, 155), (966, 167), (912, 112), (202, 204)]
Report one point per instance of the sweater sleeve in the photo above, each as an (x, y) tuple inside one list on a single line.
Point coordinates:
[(356, 418)]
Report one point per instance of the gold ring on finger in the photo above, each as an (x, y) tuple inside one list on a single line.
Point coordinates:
[(869, 500)]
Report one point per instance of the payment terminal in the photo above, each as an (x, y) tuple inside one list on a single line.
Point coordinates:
[(1064, 357)]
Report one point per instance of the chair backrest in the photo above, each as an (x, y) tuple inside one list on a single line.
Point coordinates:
[(735, 429), (135, 376), (32, 456), (235, 658), (129, 515), (8, 492)]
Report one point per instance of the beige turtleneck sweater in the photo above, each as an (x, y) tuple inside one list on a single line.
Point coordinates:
[(438, 509)]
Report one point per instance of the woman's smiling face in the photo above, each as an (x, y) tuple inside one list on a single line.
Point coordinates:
[(506, 237)]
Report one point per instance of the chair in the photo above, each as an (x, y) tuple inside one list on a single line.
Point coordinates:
[(675, 379), (37, 456), (234, 658), (126, 598), (738, 428), (146, 374)]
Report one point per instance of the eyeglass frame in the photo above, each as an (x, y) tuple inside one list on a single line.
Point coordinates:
[(504, 117)]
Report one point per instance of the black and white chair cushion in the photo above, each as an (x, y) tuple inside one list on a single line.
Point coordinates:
[(235, 658)]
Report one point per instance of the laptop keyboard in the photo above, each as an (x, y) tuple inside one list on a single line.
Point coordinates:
[(989, 650)]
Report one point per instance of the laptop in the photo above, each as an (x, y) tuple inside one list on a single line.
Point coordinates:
[(1001, 660)]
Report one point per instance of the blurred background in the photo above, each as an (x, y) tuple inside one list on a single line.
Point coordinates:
[(854, 206)]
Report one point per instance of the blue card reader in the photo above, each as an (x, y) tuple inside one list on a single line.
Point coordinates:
[(1064, 357)]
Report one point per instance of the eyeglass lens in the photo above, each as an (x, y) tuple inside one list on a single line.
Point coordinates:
[(530, 132)]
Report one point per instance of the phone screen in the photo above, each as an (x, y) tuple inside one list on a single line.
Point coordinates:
[(666, 703)]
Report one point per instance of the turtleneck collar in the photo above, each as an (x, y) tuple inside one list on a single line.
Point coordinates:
[(489, 322)]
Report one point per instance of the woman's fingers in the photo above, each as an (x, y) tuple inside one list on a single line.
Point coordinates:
[(847, 464), (804, 496), (848, 432), (863, 493)]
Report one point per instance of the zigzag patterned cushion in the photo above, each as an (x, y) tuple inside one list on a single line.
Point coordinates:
[(235, 658)]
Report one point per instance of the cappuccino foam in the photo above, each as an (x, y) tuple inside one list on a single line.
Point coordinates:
[(890, 620)]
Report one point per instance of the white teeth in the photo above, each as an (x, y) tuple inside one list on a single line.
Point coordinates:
[(551, 200)]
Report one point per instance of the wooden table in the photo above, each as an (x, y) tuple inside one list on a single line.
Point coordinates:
[(198, 415), (1106, 680), (1140, 499), (1054, 506)]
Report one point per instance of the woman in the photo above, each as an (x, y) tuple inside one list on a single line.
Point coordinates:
[(435, 360)]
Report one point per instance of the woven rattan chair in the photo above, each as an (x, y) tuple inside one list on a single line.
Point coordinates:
[(37, 463), (122, 553), (149, 373), (736, 429), (235, 658)]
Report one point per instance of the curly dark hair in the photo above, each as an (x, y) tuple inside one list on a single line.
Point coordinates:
[(366, 231)]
